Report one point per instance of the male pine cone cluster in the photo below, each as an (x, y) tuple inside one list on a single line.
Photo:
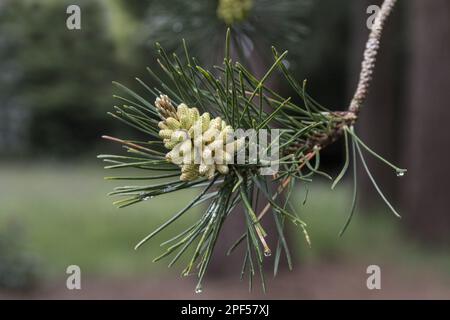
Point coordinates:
[(233, 11), (201, 146)]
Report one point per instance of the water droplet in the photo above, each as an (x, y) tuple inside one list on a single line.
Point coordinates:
[(198, 289), (267, 253), (286, 63), (169, 189), (400, 173)]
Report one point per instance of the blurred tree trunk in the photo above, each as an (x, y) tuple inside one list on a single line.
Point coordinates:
[(426, 191), (379, 121), (234, 226)]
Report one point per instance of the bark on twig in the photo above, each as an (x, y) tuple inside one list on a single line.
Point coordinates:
[(370, 56)]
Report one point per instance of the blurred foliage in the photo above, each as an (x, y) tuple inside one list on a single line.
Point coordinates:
[(234, 11), (60, 80), (281, 23), (324, 62), (61, 230), (136, 8), (62, 77), (18, 268)]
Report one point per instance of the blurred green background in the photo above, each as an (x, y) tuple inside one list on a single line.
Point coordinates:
[(55, 90)]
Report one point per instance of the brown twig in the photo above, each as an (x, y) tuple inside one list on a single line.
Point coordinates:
[(127, 143), (284, 184), (370, 56)]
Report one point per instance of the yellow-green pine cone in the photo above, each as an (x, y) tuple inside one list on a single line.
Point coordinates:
[(179, 135), (189, 156), (216, 123), (203, 169), (184, 116), (211, 171), (233, 11), (189, 175), (207, 156), (195, 129), (182, 110), (162, 125), (174, 157), (205, 120), (222, 157), (210, 135), (186, 147), (189, 168), (216, 145), (173, 123), (170, 144), (166, 133), (222, 168), (194, 114)]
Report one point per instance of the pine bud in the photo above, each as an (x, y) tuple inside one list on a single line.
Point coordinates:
[(210, 134), (216, 145), (162, 125), (179, 136), (166, 133), (170, 144), (196, 130), (189, 176), (223, 157), (205, 120), (216, 123), (188, 168), (186, 147), (211, 172), (207, 156), (165, 107), (223, 169), (184, 116), (173, 123), (194, 114), (174, 157), (203, 168), (196, 139)]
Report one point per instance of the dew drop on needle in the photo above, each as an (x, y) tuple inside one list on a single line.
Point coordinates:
[(198, 289)]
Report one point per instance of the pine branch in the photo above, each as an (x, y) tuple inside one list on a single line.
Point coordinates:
[(193, 99)]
